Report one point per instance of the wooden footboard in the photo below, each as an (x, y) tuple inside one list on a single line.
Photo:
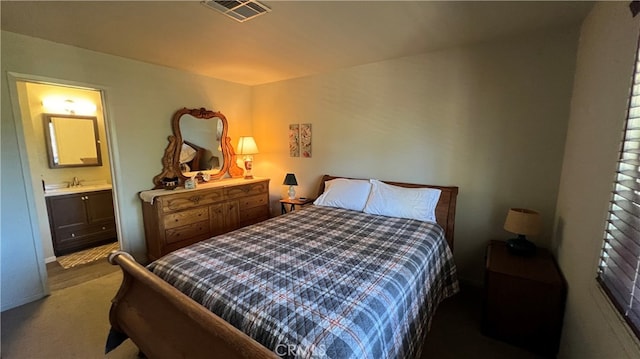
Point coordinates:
[(164, 323)]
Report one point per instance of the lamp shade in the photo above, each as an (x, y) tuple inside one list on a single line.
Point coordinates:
[(522, 221), (290, 180), (247, 146)]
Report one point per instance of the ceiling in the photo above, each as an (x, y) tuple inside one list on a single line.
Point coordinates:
[(297, 38)]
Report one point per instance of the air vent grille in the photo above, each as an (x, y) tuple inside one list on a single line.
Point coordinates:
[(241, 10)]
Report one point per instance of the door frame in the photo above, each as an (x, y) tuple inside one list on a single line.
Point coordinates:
[(36, 203)]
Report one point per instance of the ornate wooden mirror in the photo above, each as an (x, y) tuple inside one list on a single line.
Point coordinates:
[(199, 144)]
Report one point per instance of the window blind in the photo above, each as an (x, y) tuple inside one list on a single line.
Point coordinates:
[(619, 268)]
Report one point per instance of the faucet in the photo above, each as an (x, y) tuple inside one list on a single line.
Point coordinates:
[(75, 182)]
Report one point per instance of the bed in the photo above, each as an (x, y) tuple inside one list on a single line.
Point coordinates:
[(317, 282)]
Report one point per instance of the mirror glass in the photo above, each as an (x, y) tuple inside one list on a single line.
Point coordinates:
[(72, 141), (201, 149)]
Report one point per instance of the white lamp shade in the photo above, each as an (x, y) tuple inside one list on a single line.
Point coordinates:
[(247, 146)]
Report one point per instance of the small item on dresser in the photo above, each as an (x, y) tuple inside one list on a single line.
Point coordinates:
[(206, 177), (170, 183), (190, 183)]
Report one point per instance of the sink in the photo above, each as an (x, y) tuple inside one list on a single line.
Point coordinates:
[(76, 189)]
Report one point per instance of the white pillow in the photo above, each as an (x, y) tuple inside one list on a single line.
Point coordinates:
[(394, 201), (345, 193)]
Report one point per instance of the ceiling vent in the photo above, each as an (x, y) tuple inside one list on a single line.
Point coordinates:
[(241, 10)]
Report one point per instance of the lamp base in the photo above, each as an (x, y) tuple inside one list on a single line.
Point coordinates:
[(521, 247), (248, 165)]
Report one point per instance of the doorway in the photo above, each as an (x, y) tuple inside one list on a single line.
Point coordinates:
[(76, 181)]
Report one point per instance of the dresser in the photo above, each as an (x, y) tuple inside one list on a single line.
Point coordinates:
[(524, 299), (177, 218), (81, 220)]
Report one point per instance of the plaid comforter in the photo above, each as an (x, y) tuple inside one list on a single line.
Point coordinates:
[(322, 282)]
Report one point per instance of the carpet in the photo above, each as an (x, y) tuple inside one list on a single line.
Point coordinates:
[(87, 255)]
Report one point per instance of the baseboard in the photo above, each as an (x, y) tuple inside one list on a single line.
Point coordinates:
[(22, 301), (50, 259)]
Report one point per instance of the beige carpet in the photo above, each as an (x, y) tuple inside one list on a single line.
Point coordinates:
[(70, 323), (87, 255)]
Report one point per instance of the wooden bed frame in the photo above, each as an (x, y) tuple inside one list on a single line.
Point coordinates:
[(165, 323)]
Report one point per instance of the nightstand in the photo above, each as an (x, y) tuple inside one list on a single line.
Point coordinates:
[(293, 203), (524, 299)]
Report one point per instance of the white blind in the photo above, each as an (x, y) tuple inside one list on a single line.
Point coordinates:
[(619, 266)]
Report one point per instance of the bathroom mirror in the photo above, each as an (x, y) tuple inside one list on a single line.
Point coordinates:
[(72, 141), (199, 144)]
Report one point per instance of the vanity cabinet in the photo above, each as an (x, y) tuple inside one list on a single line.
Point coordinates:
[(81, 220), (175, 219)]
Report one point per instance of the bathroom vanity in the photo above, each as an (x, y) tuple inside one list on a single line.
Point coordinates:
[(81, 218)]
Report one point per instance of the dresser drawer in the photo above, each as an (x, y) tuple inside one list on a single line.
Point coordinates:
[(187, 232), (246, 190), (190, 199), (254, 215), (182, 218), (253, 201)]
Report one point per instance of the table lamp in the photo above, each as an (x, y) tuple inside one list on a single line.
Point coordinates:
[(522, 222), (247, 147), (290, 180)]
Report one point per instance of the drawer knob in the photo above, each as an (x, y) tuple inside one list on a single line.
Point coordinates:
[(195, 199), (103, 228), (73, 234)]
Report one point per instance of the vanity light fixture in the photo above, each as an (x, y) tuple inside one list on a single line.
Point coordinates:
[(239, 10), (60, 105), (247, 147)]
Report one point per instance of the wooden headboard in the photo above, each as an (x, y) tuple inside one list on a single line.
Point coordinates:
[(445, 210)]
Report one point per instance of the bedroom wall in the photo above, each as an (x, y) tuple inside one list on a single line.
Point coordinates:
[(140, 101), (490, 118), (592, 328)]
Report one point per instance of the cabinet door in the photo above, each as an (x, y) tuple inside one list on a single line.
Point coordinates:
[(67, 211), (223, 217), (216, 219), (232, 215), (99, 206)]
